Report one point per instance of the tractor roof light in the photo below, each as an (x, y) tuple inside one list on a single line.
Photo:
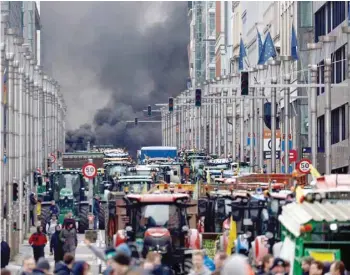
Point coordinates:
[(307, 228), (333, 227)]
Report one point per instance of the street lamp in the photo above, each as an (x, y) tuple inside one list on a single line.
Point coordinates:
[(253, 127), (315, 49), (224, 113), (235, 77), (274, 64), (328, 40), (213, 118)]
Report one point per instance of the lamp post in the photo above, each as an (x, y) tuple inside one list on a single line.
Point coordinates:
[(252, 76), (274, 64), (286, 61), (327, 41), (314, 48), (224, 114), (235, 80), (218, 115), (241, 117), (260, 137), (10, 33)]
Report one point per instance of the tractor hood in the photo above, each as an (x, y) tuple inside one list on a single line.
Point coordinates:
[(65, 192), (157, 232)]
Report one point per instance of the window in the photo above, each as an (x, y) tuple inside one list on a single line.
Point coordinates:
[(343, 122), (335, 135), (338, 12), (211, 22), (320, 133), (320, 77), (305, 14), (320, 22), (339, 65)]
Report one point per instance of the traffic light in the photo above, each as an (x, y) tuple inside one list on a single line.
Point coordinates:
[(136, 121), (48, 163), (15, 192), (171, 104), (244, 83), (149, 110), (198, 97)]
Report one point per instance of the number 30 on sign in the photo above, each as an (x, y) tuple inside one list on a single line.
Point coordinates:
[(89, 170), (304, 166)]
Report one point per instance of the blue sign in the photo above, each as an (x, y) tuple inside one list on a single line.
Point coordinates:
[(290, 145), (290, 169), (248, 141)]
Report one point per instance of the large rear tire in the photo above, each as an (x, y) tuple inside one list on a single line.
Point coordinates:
[(45, 214), (83, 218), (102, 216)]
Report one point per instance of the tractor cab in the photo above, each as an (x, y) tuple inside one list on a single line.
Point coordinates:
[(115, 168), (319, 230), (134, 184), (145, 171), (160, 222)]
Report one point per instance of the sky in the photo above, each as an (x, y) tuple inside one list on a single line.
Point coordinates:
[(112, 60)]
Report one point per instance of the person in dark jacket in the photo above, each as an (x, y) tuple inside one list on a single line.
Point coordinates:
[(80, 268), (65, 267), (32, 203), (69, 238), (28, 265), (68, 219), (54, 209), (38, 241), (5, 254), (56, 245), (42, 267)]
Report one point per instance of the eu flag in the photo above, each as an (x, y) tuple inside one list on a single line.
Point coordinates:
[(242, 54), (294, 45), (260, 44), (268, 50)]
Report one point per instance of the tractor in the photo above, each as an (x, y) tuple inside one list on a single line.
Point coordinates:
[(158, 222), (67, 188), (134, 184)]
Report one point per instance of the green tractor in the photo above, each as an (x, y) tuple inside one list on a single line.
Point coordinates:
[(67, 188)]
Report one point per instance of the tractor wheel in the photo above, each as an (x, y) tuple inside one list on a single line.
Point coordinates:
[(45, 215), (101, 216), (187, 265), (83, 218)]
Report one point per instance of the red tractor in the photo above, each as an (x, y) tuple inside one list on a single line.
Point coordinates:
[(162, 223)]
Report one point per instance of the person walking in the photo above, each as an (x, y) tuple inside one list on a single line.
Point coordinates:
[(51, 229), (56, 245), (69, 238), (65, 267), (5, 254), (28, 266), (38, 241), (96, 210), (32, 202), (54, 209)]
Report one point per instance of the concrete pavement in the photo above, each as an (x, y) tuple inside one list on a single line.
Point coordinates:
[(82, 253)]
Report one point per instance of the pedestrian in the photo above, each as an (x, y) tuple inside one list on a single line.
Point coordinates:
[(81, 268), (5, 254), (54, 209), (267, 262), (51, 228), (316, 268), (69, 238), (32, 202), (65, 267), (198, 264), (219, 260), (158, 267), (121, 264), (56, 245), (337, 268), (42, 267), (28, 265), (68, 219), (38, 241), (237, 264), (305, 265)]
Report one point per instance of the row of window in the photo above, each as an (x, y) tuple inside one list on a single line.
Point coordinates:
[(338, 126), (338, 69), (328, 17)]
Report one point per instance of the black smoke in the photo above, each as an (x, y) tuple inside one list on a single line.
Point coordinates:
[(112, 62)]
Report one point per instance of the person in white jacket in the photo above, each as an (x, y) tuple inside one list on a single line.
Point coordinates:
[(51, 228)]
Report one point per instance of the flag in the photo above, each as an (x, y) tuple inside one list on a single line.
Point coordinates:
[(294, 45), (242, 54), (260, 44), (231, 237), (268, 50)]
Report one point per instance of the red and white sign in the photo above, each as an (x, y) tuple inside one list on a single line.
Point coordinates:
[(304, 166), (293, 156), (52, 158), (89, 170)]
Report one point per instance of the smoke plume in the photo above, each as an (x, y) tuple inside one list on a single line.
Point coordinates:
[(113, 59)]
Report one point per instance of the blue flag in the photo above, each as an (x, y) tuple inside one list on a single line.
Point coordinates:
[(268, 50), (242, 54), (260, 44), (294, 45)]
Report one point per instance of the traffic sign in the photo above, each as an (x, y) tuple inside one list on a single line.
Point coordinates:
[(52, 158), (304, 166), (89, 170), (293, 155)]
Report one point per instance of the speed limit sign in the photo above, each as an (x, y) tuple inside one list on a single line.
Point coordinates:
[(89, 170), (304, 166)]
